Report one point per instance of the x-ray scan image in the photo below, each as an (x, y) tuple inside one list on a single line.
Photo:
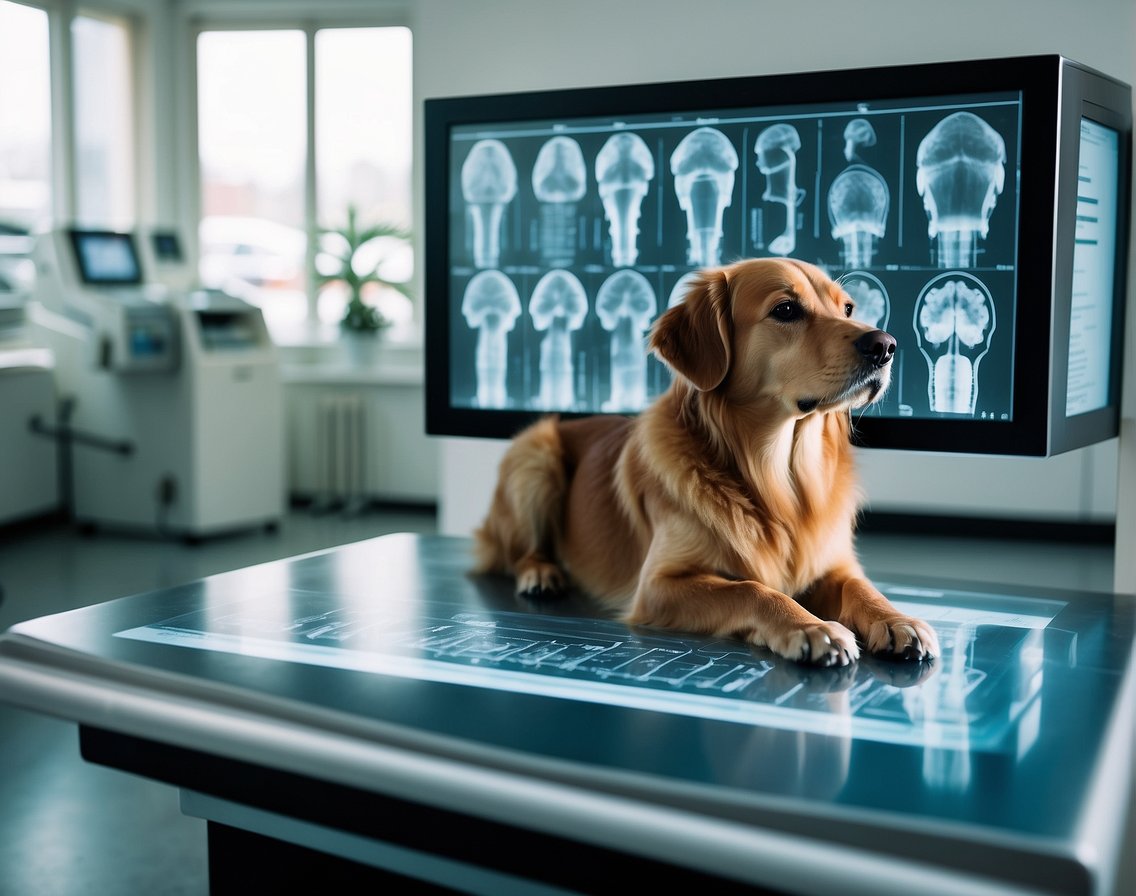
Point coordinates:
[(960, 172), (558, 307), (624, 170), (703, 166), (858, 207), (489, 183), (491, 306), (569, 236), (954, 324), (776, 150), (559, 180), (626, 305)]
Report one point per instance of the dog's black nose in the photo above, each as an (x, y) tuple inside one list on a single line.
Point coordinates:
[(877, 347)]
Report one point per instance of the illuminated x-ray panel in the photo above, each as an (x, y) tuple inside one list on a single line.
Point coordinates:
[(979, 694), (592, 227)]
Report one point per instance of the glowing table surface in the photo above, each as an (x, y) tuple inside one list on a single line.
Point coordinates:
[(383, 666)]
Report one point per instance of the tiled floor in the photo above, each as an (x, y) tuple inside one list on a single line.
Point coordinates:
[(67, 827)]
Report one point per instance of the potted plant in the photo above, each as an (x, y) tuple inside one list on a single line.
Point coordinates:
[(342, 258)]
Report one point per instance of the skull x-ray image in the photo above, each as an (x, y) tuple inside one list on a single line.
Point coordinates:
[(624, 170), (703, 166), (858, 207), (626, 305), (954, 323), (491, 306), (776, 150), (960, 171), (613, 217), (858, 134), (559, 180), (489, 183), (558, 307)]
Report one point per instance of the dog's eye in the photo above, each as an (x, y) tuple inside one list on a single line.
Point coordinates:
[(848, 308), (787, 311)]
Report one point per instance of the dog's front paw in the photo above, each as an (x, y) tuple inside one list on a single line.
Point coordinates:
[(539, 580), (823, 644), (903, 638)]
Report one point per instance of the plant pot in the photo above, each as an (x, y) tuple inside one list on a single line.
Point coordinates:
[(362, 347)]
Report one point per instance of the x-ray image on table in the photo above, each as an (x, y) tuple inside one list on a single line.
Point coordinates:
[(913, 205), (974, 696)]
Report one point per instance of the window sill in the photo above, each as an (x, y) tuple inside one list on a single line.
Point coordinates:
[(319, 353)]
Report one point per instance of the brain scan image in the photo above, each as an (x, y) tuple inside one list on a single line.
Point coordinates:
[(557, 307), (954, 322), (857, 208), (489, 183), (873, 306), (559, 180), (626, 304), (776, 150), (960, 172), (858, 134), (703, 165), (491, 306), (624, 170)]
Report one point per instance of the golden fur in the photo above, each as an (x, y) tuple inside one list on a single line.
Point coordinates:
[(728, 506)]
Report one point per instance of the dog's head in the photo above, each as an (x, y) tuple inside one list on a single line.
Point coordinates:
[(775, 333)]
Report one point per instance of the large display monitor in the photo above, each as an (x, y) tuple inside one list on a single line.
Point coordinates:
[(978, 211)]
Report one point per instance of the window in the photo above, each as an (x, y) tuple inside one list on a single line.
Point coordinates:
[(268, 180), (251, 100), (104, 122), (25, 137), (363, 150)]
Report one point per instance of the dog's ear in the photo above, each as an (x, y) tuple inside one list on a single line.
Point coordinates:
[(694, 337)]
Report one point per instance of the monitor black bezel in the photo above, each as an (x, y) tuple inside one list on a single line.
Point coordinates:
[(77, 235), (1038, 80)]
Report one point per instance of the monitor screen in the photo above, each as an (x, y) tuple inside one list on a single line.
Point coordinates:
[(105, 258), (1094, 269), (555, 240), (167, 246)]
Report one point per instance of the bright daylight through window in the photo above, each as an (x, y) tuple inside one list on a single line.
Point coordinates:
[(25, 139), (104, 122), (253, 140)]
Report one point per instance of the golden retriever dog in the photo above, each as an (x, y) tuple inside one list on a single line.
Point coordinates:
[(728, 506)]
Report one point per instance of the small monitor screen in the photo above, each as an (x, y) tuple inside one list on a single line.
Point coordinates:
[(569, 236), (167, 246), (1094, 269), (105, 258)]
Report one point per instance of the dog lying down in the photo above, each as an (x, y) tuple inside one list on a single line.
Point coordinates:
[(728, 506)]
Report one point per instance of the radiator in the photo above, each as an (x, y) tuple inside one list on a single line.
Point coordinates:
[(341, 449)]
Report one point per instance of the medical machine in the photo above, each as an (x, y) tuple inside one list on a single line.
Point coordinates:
[(170, 402), (29, 484)]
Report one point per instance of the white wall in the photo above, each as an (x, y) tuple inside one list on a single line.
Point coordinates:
[(507, 45)]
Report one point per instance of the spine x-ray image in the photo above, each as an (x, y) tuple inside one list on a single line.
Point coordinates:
[(568, 237)]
